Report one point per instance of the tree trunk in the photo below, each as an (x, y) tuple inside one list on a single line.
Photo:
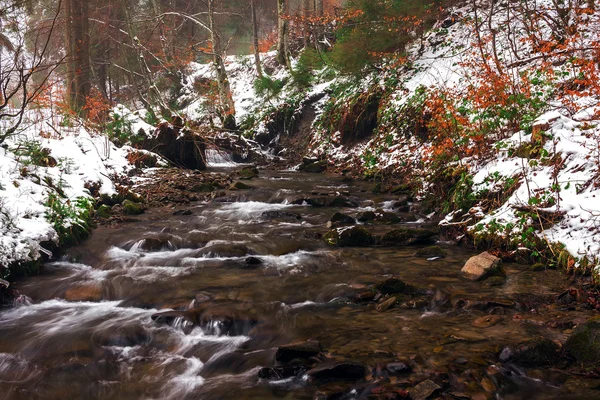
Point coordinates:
[(255, 39), (81, 45), (225, 96), (306, 17), (282, 35)]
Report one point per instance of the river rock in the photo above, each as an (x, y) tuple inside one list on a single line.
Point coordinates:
[(337, 371), (378, 216), (538, 352), (386, 304), (248, 173), (300, 350), (339, 219), (487, 320), (183, 212), (131, 208), (273, 214), (327, 201), (349, 237), (277, 373), (239, 186), (316, 167), (424, 390), (104, 211), (399, 367), (431, 251), (84, 293), (584, 343), (396, 286), (482, 266), (408, 236)]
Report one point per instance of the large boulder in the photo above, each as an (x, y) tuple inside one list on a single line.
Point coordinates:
[(584, 343), (178, 145), (349, 237), (339, 219), (337, 371), (481, 267), (378, 216)]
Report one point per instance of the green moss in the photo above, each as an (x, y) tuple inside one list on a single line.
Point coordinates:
[(431, 251), (131, 208), (248, 173), (538, 267), (406, 236), (349, 237), (584, 343), (239, 186), (103, 211)]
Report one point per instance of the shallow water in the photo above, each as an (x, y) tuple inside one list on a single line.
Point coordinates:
[(88, 331)]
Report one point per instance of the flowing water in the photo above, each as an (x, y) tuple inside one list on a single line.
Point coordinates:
[(88, 333)]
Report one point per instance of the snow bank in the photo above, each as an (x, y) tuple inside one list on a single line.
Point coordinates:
[(71, 159)]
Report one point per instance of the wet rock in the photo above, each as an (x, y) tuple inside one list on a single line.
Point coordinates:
[(337, 371), (300, 350), (386, 304), (487, 321), (104, 211), (183, 212), (111, 200), (239, 186), (327, 201), (122, 336), (316, 167), (339, 219), (84, 293), (155, 244), (280, 215), (248, 173), (431, 251), (201, 297), (482, 266), (408, 236), (277, 373), (495, 281), (169, 317), (424, 390), (226, 250), (396, 286), (537, 267), (584, 343), (349, 237), (131, 208), (397, 368), (252, 263), (203, 187), (365, 296), (378, 216), (227, 320), (537, 352)]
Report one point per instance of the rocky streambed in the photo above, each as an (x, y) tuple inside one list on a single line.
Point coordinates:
[(292, 285)]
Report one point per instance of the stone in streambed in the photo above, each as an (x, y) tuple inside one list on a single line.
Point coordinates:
[(84, 293), (396, 286), (399, 367), (300, 350), (378, 216), (248, 173), (584, 343), (424, 390), (337, 371), (539, 352), (431, 251), (131, 208), (339, 219), (316, 167), (280, 215), (482, 266), (239, 186), (408, 236), (349, 237), (183, 212), (104, 211), (386, 304)]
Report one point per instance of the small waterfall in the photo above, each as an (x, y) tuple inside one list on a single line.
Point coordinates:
[(219, 158)]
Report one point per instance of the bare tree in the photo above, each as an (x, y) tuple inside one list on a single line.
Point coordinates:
[(255, 39), (283, 27)]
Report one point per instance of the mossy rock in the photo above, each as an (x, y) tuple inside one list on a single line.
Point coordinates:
[(339, 219), (379, 216), (239, 186), (349, 237), (537, 267), (400, 189), (103, 211), (396, 286), (538, 352), (408, 236), (248, 173), (204, 187), (131, 208), (495, 281), (431, 251), (316, 167), (132, 196), (111, 200), (584, 343)]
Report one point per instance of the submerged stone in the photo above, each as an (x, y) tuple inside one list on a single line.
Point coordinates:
[(337, 371), (584, 343), (431, 251), (424, 390), (300, 350), (248, 173), (408, 236), (539, 352), (396, 286)]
